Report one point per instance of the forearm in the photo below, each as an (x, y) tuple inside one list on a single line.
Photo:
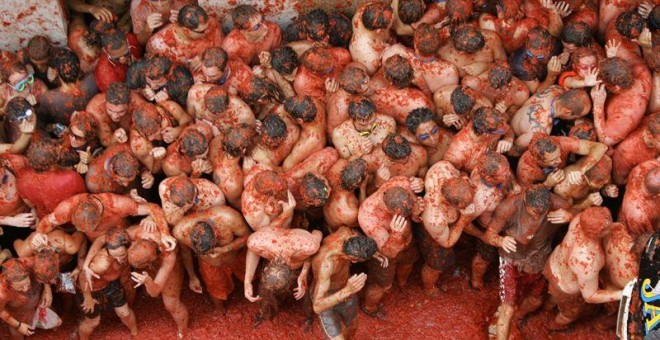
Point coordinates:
[(79, 6), (20, 144), (251, 264), (237, 244), (604, 296), (305, 269), (549, 81), (153, 288), (187, 259), (330, 301), (8, 319), (493, 238), (283, 220)]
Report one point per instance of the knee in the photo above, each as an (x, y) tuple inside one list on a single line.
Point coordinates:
[(92, 323), (123, 311), (172, 304)]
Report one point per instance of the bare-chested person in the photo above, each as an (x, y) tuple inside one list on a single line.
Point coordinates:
[(421, 123), (396, 157), (595, 184), (218, 237), (386, 217), (104, 290), (13, 210), (280, 66), (352, 81), (573, 268), (161, 273), (333, 294), (622, 36), (266, 200), (457, 104), (345, 177), (185, 40), (278, 135), (317, 66), (189, 153), (116, 170), (530, 62), (19, 82), (309, 113), (365, 129), (217, 68), (371, 34), (540, 111), (510, 23), (287, 252), (213, 105), (488, 131), (21, 291), (546, 158), (431, 73), (472, 50), (405, 14), (251, 35), (530, 221), (641, 145), (500, 87), (639, 210), (396, 98), (149, 16), (181, 195), (630, 85), (153, 128), (446, 193), (111, 111)]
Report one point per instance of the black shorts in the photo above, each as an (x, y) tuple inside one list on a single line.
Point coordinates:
[(332, 319), (110, 297), (435, 256)]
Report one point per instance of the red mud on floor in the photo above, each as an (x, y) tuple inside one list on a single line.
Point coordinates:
[(457, 313)]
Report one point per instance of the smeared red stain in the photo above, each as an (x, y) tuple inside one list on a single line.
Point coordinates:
[(6, 24)]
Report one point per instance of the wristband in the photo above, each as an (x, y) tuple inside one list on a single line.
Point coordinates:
[(19, 325)]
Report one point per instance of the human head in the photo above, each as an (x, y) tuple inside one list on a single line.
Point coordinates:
[(426, 40), (362, 111), (421, 123), (17, 274), (468, 39), (583, 60), (353, 174), (651, 134), (399, 201), (238, 140), (194, 144), (117, 97), (537, 200), (576, 34), (284, 60), (46, 265), (488, 121), (246, 18), (301, 108), (595, 222), (86, 215), (39, 50), (116, 47), (396, 147), (271, 184), (216, 100), (179, 82), (42, 154), (354, 80), (67, 65), (142, 253), (572, 104), (316, 25), (82, 129), (499, 76), (584, 130), (538, 40), (462, 99), (276, 278), (459, 10), (616, 74), (493, 168), (124, 168), (545, 150), (18, 109), (410, 11), (194, 21), (202, 238), (359, 248), (377, 16), (214, 63), (17, 76), (147, 120), (341, 30), (156, 72), (652, 181), (458, 192), (318, 60), (314, 190), (274, 131), (630, 24), (398, 71), (183, 191), (263, 90)]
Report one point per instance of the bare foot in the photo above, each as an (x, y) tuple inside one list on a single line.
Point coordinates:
[(433, 292), (307, 324), (377, 314)]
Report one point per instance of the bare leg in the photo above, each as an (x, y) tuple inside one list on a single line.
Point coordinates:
[(402, 273), (373, 295), (15, 335), (87, 326), (479, 268), (529, 305), (127, 317), (352, 328), (179, 313), (429, 278), (504, 322)]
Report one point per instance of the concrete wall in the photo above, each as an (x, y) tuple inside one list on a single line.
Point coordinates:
[(22, 19)]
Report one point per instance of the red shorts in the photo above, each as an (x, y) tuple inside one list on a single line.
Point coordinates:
[(513, 283), (218, 280)]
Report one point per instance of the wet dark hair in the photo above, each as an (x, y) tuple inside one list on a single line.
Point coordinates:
[(46, 265), (118, 93), (399, 201), (353, 174), (241, 14), (577, 33), (116, 238), (11, 68), (216, 100), (238, 140), (263, 88), (617, 71), (191, 16), (113, 40), (574, 100), (584, 131), (458, 192), (398, 71), (67, 65), (42, 154), (270, 183), (426, 40), (16, 109), (580, 53), (499, 76), (124, 164), (360, 108), (215, 56), (341, 30), (182, 191), (318, 60), (459, 10), (486, 120), (301, 107), (410, 11), (158, 67), (276, 278), (630, 24), (15, 270), (39, 47), (461, 101), (361, 247), (147, 119), (468, 39), (373, 16), (352, 78), (284, 60), (314, 190), (141, 253), (202, 238), (179, 82), (654, 19), (193, 143), (538, 197), (95, 32), (135, 76), (417, 117), (316, 24), (490, 163), (274, 128), (542, 144), (86, 215), (538, 38), (396, 147)]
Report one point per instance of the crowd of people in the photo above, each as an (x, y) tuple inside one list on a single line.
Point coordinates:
[(158, 150)]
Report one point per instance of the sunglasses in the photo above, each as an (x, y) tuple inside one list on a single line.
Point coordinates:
[(21, 85), (24, 116), (531, 55), (257, 26), (426, 136)]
